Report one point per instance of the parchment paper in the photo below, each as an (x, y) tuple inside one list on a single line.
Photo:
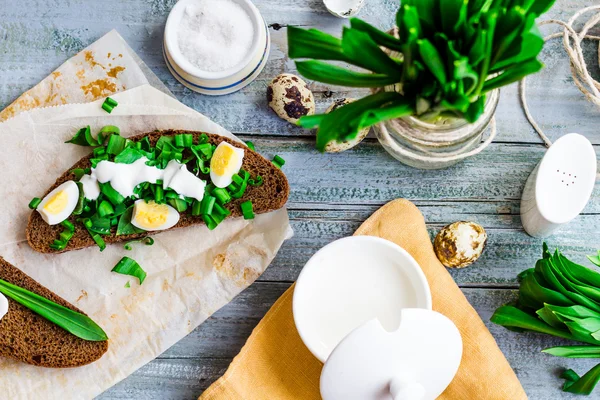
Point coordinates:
[(192, 272), (105, 67)]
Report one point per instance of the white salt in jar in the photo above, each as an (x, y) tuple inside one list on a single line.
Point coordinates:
[(216, 47)]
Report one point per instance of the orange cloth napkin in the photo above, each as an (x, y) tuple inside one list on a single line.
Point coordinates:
[(275, 364)]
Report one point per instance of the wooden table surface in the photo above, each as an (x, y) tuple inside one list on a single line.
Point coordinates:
[(36, 36)]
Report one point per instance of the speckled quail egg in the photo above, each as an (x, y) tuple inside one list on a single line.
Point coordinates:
[(336, 147), (460, 244), (290, 97), (59, 204)]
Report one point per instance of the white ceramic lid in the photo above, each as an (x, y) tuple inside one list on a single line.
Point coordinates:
[(415, 362), (566, 178)]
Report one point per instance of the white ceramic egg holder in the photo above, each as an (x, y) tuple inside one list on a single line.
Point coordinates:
[(560, 186), (362, 306)]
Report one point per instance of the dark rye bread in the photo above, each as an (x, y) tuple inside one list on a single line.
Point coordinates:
[(271, 195), (28, 337)]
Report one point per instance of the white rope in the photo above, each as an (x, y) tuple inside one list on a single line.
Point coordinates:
[(581, 76)]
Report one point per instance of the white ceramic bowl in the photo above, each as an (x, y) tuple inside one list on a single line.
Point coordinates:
[(222, 82), (350, 282)]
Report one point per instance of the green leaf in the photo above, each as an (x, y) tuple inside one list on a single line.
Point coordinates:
[(512, 317), (533, 295), (315, 44), (364, 52), (128, 266), (562, 285), (573, 312), (128, 156), (477, 50), (381, 38), (574, 351), (432, 59), (550, 318), (523, 48), (453, 14), (83, 137), (475, 7), (125, 227), (408, 23), (594, 260), (334, 75), (73, 322), (484, 66), (311, 121), (396, 109), (540, 7), (584, 274), (512, 74), (345, 122), (590, 291), (475, 109), (586, 384), (512, 23)]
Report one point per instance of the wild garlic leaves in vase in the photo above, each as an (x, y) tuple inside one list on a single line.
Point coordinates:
[(434, 79)]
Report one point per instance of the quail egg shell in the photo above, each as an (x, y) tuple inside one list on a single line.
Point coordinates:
[(226, 161), (337, 147), (290, 97), (460, 244), (151, 216), (344, 8), (59, 204)]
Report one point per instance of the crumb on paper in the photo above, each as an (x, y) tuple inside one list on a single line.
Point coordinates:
[(239, 275), (56, 74), (113, 72), (99, 88), (165, 286), (89, 58), (80, 74), (83, 295)]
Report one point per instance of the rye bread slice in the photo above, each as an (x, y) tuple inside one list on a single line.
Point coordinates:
[(270, 196), (28, 337)]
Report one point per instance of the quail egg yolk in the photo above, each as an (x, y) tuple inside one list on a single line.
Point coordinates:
[(224, 158), (57, 203), (151, 215)]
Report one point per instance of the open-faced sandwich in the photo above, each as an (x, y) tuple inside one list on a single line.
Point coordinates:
[(40, 328), (131, 187)]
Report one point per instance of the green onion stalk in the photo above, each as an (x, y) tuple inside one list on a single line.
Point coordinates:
[(446, 56)]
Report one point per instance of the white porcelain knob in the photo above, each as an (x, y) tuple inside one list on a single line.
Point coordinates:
[(403, 389)]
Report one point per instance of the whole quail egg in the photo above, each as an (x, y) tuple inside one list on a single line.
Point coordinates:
[(290, 97), (460, 244), (337, 147)]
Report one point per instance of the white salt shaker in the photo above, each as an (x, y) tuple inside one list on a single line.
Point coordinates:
[(560, 186)]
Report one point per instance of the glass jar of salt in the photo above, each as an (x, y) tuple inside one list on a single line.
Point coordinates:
[(216, 46)]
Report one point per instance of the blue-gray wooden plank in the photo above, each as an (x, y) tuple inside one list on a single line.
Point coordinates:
[(38, 35)]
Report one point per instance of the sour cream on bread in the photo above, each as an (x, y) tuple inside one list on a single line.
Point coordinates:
[(125, 177)]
